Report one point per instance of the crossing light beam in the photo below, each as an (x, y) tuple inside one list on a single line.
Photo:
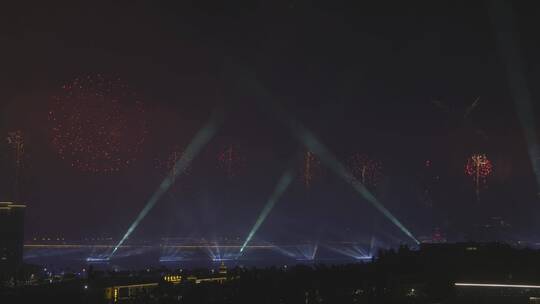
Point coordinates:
[(308, 138)]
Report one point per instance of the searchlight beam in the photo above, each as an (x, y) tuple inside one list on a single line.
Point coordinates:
[(201, 138), (309, 140), (282, 185), (509, 50)]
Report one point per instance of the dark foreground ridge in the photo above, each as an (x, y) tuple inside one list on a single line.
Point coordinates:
[(436, 273)]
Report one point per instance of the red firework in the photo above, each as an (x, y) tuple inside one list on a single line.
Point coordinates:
[(366, 170), (230, 160), (97, 124), (478, 167), (310, 168)]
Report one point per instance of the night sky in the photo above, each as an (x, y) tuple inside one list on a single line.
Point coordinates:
[(364, 78)]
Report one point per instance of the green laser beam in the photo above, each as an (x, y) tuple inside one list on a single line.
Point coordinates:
[(282, 185), (309, 140), (201, 138)]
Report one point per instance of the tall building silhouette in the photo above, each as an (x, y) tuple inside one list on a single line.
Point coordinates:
[(11, 238)]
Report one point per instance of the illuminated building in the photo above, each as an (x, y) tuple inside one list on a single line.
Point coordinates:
[(221, 277), (174, 279), (211, 279), (124, 292), (11, 238), (222, 269)]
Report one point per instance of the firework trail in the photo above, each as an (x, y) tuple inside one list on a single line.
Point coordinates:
[(478, 167), (97, 124), (429, 180), (229, 160), (310, 168), (366, 170), (457, 114)]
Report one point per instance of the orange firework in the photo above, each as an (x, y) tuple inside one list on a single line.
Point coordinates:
[(478, 167)]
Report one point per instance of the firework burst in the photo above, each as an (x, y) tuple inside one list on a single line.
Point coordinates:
[(97, 124), (478, 167)]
